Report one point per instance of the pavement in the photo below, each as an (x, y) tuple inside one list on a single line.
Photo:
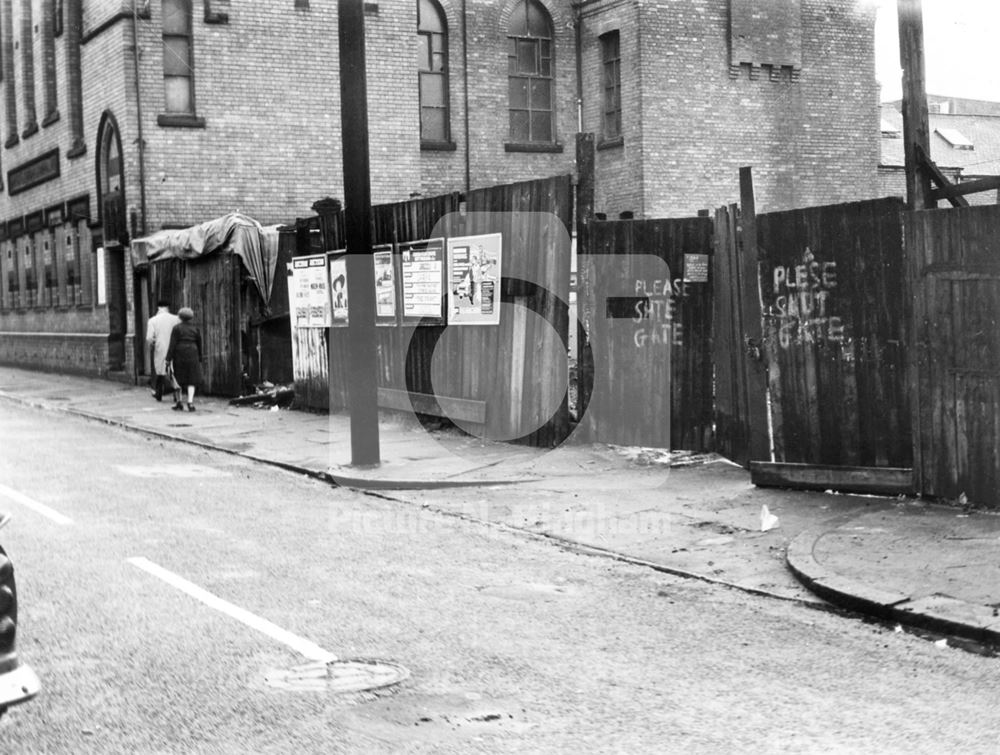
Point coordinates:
[(918, 565)]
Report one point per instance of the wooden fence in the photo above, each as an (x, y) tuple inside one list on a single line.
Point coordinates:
[(494, 371), (834, 306), (211, 287), (645, 297), (954, 273)]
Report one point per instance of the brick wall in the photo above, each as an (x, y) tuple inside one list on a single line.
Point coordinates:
[(812, 138)]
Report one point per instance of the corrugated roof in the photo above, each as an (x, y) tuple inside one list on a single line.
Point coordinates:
[(983, 131)]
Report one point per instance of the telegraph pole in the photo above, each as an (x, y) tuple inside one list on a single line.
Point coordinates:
[(362, 372), (916, 129)]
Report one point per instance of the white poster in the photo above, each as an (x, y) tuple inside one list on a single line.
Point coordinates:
[(422, 265), (102, 291), (474, 280), (385, 283), (308, 296), (338, 287)]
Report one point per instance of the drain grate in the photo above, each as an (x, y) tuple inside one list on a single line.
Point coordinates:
[(345, 675)]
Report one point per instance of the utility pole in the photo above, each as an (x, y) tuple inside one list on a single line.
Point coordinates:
[(362, 372), (916, 130)]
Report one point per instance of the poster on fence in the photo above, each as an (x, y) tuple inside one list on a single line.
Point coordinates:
[(474, 280), (338, 287), (422, 274), (308, 294), (385, 285)]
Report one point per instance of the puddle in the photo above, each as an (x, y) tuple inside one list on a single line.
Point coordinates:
[(436, 717), (527, 591)]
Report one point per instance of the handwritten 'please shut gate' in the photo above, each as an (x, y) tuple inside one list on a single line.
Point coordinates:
[(801, 302)]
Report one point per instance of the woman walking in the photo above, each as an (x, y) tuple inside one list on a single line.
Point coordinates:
[(184, 355)]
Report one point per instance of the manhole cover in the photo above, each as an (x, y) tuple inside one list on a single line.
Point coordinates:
[(346, 675)]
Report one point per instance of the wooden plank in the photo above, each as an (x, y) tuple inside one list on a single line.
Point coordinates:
[(842, 479), (753, 336), (950, 190), (467, 410)]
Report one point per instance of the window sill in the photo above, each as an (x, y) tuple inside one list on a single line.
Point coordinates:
[(618, 141), (179, 120), (433, 145), (532, 147)]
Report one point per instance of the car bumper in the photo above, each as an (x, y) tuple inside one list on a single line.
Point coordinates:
[(18, 685)]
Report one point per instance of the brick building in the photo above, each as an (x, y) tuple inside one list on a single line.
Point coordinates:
[(121, 117)]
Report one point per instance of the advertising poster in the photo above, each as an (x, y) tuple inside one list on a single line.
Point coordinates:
[(338, 288), (385, 284), (422, 272), (474, 280), (307, 292)]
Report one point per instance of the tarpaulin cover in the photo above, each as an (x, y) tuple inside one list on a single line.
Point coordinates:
[(237, 234)]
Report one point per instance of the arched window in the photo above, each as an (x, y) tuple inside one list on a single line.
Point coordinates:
[(111, 161), (432, 71), (530, 69), (178, 69)]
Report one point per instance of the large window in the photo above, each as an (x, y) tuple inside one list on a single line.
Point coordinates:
[(530, 68), (611, 54), (432, 72), (178, 79)]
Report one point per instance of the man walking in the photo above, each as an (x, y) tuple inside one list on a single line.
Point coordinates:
[(158, 339)]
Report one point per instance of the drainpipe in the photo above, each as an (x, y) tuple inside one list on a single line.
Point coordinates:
[(578, 8), (465, 87), (138, 113)]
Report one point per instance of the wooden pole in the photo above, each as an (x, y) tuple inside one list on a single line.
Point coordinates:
[(362, 372), (916, 130), (753, 331)]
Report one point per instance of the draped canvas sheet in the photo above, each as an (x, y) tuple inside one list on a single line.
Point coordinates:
[(255, 245)]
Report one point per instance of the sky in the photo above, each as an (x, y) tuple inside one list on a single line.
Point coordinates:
[(961, 38)]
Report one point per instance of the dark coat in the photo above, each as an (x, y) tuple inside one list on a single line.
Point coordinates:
[(185, 353)]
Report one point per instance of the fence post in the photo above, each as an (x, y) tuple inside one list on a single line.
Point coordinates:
[(584, 218), (753, 335)]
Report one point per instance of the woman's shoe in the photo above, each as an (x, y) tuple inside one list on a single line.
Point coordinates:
[(178, 407), (190, 407)]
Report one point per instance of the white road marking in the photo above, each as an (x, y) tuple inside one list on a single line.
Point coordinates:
[(304, 647), (171, 470), (35, 506)]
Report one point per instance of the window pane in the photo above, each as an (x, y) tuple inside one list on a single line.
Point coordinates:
[(175, 17), (518, 94), (176, 56), (546, 46), (541, 94), (437, 43), (431, 90), (541, 127), (518, 22), (609, 43), (546, 68), (430, 17), (178, 94), (439, 62), (423, 52), (518, 125), (538, 23), (433, 124), (527, 56)]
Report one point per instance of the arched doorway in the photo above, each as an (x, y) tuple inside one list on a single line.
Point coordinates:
[(114, 237)]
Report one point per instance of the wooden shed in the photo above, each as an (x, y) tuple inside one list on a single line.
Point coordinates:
[(224, 270)]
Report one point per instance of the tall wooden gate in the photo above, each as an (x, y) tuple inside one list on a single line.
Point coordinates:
[(645, 297), (814, 304), (954, 268)]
